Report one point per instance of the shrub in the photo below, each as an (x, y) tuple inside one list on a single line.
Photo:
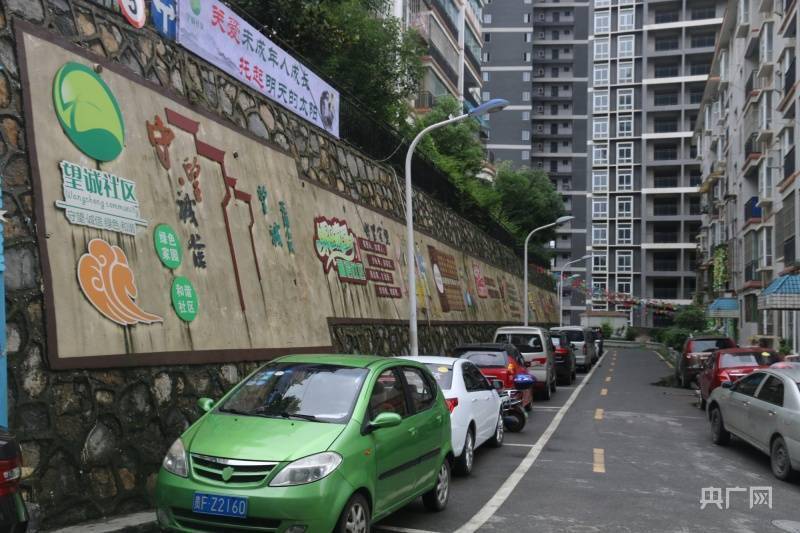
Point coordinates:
[(675, 337), (630, 334), (607, 330)]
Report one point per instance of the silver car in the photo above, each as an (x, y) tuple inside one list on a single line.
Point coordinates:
[(763, 409), (585, 354)]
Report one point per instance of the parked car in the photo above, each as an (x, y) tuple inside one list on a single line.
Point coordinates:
[(474, 404), (582, 341), (695, 351), (499, 361), (313, 443), (13, 513), (535, 346), (730, 364), (566, 366), (763, 409)]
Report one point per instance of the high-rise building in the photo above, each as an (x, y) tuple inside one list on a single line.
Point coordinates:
[(535, 56), (746, 133), (452, 33), (650, 62)]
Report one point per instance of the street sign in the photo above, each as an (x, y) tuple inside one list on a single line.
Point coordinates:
[(165, 18), (134, 12)]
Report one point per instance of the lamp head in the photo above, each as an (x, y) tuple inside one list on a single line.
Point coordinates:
[(564, 219), (492, 106)]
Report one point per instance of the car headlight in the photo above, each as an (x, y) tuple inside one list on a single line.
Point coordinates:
[(175, 460), (307, 470)]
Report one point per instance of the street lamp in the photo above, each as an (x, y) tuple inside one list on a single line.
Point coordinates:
[(492, 106), (558, 222), (560, 284)]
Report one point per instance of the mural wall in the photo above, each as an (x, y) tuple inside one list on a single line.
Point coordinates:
[(169, 237)]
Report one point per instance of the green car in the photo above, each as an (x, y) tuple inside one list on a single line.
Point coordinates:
[(311, 444)]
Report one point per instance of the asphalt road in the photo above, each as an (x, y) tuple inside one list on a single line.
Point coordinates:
[(627, 455)]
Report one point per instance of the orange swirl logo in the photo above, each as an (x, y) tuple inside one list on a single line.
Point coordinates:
[(107, 282)]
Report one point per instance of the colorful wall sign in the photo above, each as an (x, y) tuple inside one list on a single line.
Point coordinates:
[(99, 199), (184, 299), (445, 275), (88, 112), (480, 282), (215, 33), (108, 283), (134, 12), (336, 246), (168, 246)]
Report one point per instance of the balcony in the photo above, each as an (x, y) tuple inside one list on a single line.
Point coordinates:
[(751, 271), (665, 17), (665, 265), (704, 13), (752, 212), (663, 45), (424, 101), (788, 251), (703, 41), (751, 148), (665, 154), (665, 209), (666, 236), (665, 99), (789, 77), (788, 164), (667, 71), (749, 86)]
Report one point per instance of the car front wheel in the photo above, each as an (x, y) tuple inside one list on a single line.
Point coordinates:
[(355, 517), (779, 459), (436, 498)]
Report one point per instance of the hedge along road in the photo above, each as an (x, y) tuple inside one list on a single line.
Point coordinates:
[(496, 473)]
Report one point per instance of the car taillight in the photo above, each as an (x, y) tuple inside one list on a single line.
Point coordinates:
[(584, 348), (512, 368), (452, 403), (10, 474)]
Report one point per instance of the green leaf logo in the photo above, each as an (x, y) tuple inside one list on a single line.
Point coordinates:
[(88, 112), (196, 6)]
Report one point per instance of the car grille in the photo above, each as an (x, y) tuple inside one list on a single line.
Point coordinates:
[(240, 473), (199, 522)]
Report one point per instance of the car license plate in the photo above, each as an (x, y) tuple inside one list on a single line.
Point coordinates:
[(216, 504)]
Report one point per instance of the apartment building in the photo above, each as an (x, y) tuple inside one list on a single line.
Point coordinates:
[(746, 139), (452, 33), (650, 61), (535, 56)]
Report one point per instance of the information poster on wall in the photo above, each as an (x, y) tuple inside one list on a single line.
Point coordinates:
[(213, 31)]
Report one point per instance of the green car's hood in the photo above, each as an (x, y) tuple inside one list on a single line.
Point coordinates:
[(261, 439)]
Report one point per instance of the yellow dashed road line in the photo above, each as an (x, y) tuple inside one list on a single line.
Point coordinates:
[(599, 465), (598, 414), (603, 392)]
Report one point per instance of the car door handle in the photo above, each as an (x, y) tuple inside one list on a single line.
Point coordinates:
[(474, 399), (771, 412), (413, 431)]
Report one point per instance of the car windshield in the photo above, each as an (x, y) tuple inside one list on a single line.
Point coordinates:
[(556, 341), (730, 360), (525, 342), (709, 345), (309, 391), (573, 335), (485, 359), (442, 373)]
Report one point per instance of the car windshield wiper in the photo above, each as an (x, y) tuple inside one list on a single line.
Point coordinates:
[(301, 416), (236, 411)]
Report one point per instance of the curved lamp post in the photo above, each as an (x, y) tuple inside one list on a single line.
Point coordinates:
[(561, 282), (492, 106), (558, 222)]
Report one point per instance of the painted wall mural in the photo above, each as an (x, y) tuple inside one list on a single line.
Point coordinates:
[(169, 237)]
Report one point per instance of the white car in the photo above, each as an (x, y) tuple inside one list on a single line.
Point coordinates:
[(763, 409), (475, 407), (536, 348)]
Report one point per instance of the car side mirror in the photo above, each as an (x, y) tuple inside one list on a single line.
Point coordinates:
[(385, 420), (205, 404), (497, 384), (726, 384)]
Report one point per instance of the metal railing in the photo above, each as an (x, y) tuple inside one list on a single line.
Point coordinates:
[(667, 44), (749, 85), (666, 236), (665, 154), (789, 77), (665, 126), (751, 147), (751, 271), (667, 71), (663, 17), (789, 251), (665, 209), (665, 265), (665, 99)]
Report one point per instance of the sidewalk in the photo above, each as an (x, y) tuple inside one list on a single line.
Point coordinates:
[(143, 522)]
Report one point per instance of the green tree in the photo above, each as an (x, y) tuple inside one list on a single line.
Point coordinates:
[(352, 42), (690, 317)]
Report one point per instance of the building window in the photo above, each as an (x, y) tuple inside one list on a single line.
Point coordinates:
[(625, 153), (601, 49), (526, 96), (486, 57), (625, 207), (600, 75), (526, 75), (600, 154), (602, 22), (625, 72), (528, 37), (599, 264), (526, 135), (624, 286), (624, 126), (526, 116), (487, 18), (624, 99), (599, 208), (625, 46), (602, 3), (600, 128), (526, 18), (624, 261), (600, 101), (526, 155), (485, 75), (599, 234), (626, 20), (625, 233), (599, 180), (526, 57), (624, 180)]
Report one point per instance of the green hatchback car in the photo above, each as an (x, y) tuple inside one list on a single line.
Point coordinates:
[(311, 444)]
